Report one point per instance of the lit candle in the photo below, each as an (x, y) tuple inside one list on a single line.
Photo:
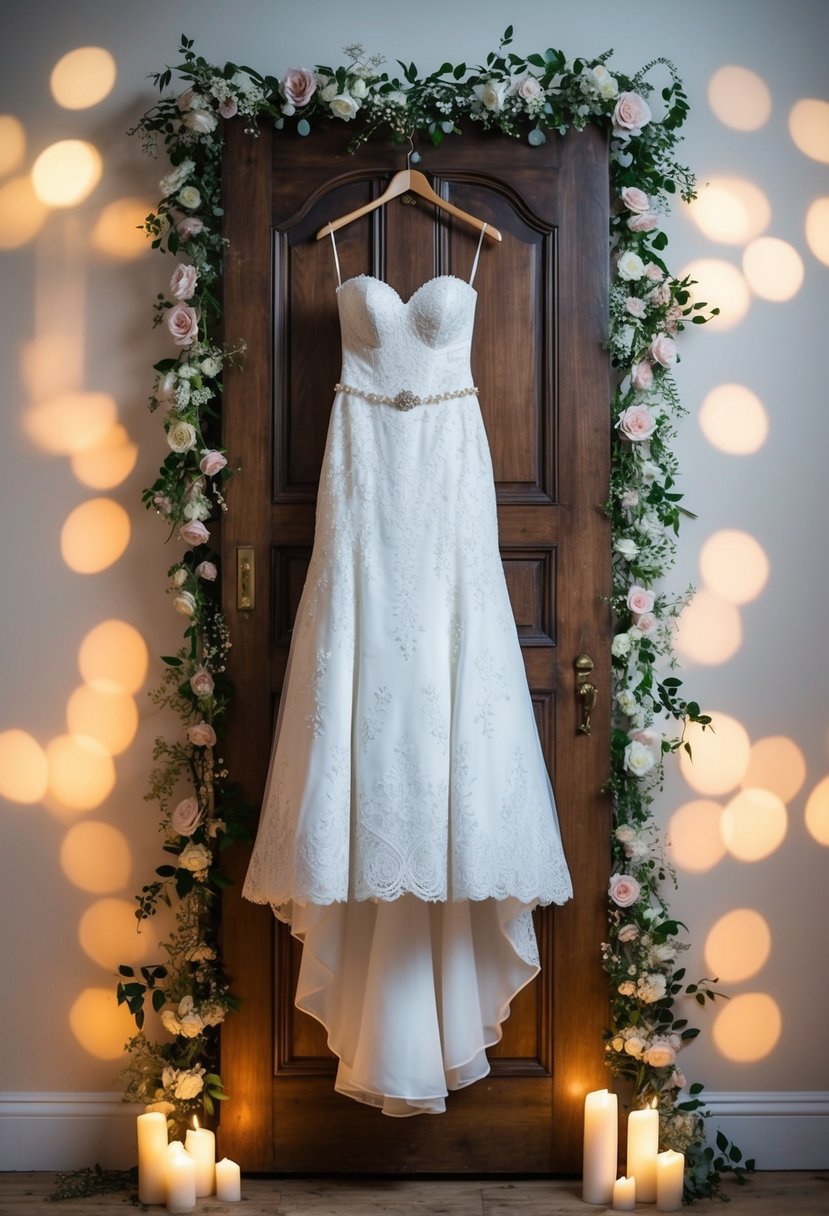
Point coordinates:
[(624, 1195), (643, 1146), (228, 1181), (670, 1171), (600, 1144), (201, 1145), (152, 1156), (180, 1177)]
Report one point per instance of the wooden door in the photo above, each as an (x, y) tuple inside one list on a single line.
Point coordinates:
[(543, 379)]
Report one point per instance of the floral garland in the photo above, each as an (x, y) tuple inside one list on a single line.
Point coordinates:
[(525, 98)]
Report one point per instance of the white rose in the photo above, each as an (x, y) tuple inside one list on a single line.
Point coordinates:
[(625, 833), (627, 702), (166, 386), (168, 1076), (195, 858), (491, 94), (651, 988), (359, 88), (180, 577), (634, 1046), (626, 548), (527, 87), (202, 122), (190, 1084), (170, 1023), (639, 759), (176, 177), (649, 472), (621, 646), (187, 371), (185, 603), (181, 436), (197, 508), (211, 366), (396, 97), (330, 91), (630, 266), (189, 197), (191, 1025), (343, 106)]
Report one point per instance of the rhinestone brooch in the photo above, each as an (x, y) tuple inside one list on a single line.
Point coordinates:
[(405, 399)]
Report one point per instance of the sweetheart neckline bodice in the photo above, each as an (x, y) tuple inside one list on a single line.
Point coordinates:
[(356, 278)]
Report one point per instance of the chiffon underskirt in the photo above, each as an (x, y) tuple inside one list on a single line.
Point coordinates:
[(411, 993)]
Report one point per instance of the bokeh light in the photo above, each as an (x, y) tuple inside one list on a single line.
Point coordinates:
[(100, 1024), (22, 214), (777, 764), (114, 657), (107, 933), (83, 77), (809, 127), (695, 841), (817, 812), (106, 715), (719, 284), (734, 419), (24, 770), (730, 210), (817, 229), (753, 824), (81, 772), (107, 462), (734, 566), (12, 143), (52, 364), (739, 98), (119, 232), (774, 268), (720, 754), (96, 857), (748, 1027), (66, 172), (71, 422), (738, 945), (709, 630), (95, 535)]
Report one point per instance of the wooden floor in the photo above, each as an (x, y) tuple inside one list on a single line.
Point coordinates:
[(804, 1193)]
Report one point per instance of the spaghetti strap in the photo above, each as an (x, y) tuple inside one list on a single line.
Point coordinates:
[(477, 253), (336, 256)]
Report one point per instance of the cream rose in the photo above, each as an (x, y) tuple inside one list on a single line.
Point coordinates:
[(663, 350), (639, 759), (621, 646), (660, 1054), (188, 99), (624, 833), (634, 1046), (183, 281), (183, 324), (185, 603), (624, 890), (211, 366), (634, 199), (527, 88), (186, 817), (626, 547), (651, 987), (630, 114), (630, 266), (491, 94), (189, 197), (298, 86), (639, 599), (200, 122), (627, 702), (180, 577), (637, 423), (201, 734), (358, 88), (181, 436), (212, 463), (170, 1022), (176, 178), (207, 571), (626, 988), (195, 858), (189, 1084), (344, 106), (194, 532), (201, 682), (192, 1025), (628, 933)]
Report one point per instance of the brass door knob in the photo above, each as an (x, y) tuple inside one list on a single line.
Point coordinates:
[(586, 691)]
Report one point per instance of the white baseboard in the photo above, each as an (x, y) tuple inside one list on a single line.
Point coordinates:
[(65, 1131)]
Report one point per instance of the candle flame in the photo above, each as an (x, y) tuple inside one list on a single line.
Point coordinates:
[(652, 1104), (195, 1122)]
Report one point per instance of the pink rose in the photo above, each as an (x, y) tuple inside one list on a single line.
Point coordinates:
[(298, 86), (654, 272), (637, 423), (635, 199), (635, 306), (639, 599), (672, 318), (212, 463), (649, 739), (200, 122), (201, 682), (628, 933), (183, 282), (528, 88), (229, 108), (630, 114), (202, 734), (624, 890), (194, 532), (629, 498), (645, 621), (186, 817), (641, 376), (189, 226), (183, 324), (663, 350), (644, 222), (207, 571), (187, 99), (163, 504), (678, 1079)]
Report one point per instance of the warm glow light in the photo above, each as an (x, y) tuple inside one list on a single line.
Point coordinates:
[(119, 231), (774, 268), (108, 716), (100, 1025), (21, 213), (747, 1027), (107, 933), (108, 462), (817, 812), (730, 210), (817, 229), (24, 771), (114, 657), (809, 127), (753, 824), (734, 420), (12, 143), (695, 842), (709, 630), (51, 365), (720, 754), (734, 565), (81, 772), (776, 764), (96, 857), (720, 284), (737, 945), (94, 535), (739, 98), (71, 422), (83, 77), (65, 173)]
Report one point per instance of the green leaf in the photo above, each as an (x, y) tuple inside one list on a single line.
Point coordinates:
[(122, 970), (159, 1000), (721, 1141)]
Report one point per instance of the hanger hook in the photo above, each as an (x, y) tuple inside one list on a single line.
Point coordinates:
[(410, 152)]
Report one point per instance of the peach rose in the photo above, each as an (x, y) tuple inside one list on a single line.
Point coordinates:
[(201, 682), (660, 1054), (183, 324), (186, 817), (207, 571), (183, 282), (201, 734), (624, 890), (185, 603), (637, 423), (212, 463), (194, 532), (630, 114), (635, 199), (663, 350), (298, 86), (641, 376), (639, 599), (634, 1046)]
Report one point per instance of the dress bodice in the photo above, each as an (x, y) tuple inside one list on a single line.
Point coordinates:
[(421, 344)]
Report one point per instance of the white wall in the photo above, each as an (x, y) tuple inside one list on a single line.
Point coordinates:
[(57, 286)]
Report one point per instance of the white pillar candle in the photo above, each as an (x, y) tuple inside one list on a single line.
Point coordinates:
[(624, 1195), (152, 1156), (201, 1145), (180, 1177), (670, 1171), (643, 1147), (228, 1181), (600, 1145)]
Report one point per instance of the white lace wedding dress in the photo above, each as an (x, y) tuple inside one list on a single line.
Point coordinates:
[(408, 825)]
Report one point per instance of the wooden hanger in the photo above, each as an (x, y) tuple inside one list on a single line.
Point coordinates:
[(408, 181)]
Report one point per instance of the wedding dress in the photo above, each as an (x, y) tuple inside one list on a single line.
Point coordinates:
[(408, 826)]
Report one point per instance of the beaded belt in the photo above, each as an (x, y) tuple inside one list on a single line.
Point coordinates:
[(405, 399)]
